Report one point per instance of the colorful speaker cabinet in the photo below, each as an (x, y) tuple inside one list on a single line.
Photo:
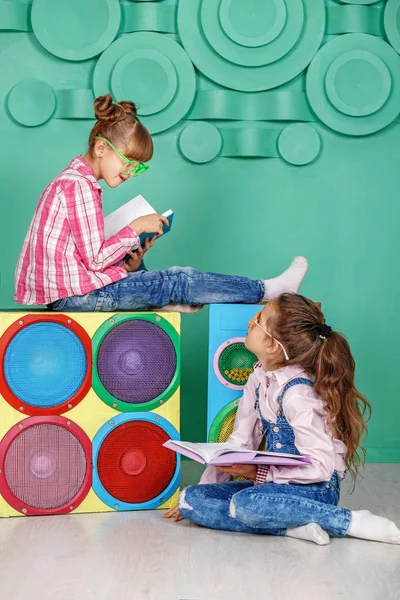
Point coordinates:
[(229, 365), (86, 402)]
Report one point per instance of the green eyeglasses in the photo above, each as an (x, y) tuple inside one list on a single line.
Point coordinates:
[(136, 171)]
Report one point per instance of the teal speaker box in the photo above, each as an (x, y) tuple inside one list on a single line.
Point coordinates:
[(229, 365)]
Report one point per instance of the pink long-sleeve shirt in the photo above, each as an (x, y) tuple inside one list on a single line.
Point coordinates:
[(64, 253), (305, 413)]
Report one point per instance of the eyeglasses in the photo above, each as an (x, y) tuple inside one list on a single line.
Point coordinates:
[(139, 169), (255, 321)]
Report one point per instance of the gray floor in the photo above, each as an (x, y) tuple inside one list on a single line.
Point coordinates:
[(140, 556)]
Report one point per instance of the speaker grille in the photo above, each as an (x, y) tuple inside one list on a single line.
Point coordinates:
[(45, 467), (224, 422), (136, 361), (45, 364), (223, 425), (226, 427), (235, 363), (133, 466)]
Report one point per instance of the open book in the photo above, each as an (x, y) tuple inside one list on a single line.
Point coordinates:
[(224, 455), (135, 208)]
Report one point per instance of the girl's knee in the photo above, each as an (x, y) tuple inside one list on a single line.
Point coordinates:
[(195, 497), (191, 503), (188, 271), (239, 504), (191, 498), (232, 508), (239, 501), (182, 501)]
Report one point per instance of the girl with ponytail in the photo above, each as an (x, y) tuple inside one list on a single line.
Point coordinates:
[(302, 398)]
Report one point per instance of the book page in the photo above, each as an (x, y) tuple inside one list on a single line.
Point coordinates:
[(120, 218), (263, 453), (210, 450), (230, 458)]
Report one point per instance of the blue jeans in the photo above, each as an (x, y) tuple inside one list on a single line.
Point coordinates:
[(178, 285), (269, 508)]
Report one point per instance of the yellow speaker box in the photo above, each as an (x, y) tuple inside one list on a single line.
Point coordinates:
[(86, 402)]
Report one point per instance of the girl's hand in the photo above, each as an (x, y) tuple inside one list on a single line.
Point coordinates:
[(134, 261), (148, 243), (246, 471), (174, 512), (135, 258), (149, 224)]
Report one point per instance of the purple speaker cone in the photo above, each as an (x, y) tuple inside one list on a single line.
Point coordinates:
[(136, 361)]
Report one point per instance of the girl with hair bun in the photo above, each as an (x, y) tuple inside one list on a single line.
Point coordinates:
[(66, 262)]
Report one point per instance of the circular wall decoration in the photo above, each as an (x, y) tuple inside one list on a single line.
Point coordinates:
[(343, 96), (353, 84), (259, 25), (299, 144), (200, 142), (277, 38), (151, 70), (220, 33), (31, 102), (75, 30), (148, 76), (359, 1), (392, 23)]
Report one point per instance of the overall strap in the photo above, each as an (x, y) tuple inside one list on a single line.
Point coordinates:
[(257, 401), (296, 381)]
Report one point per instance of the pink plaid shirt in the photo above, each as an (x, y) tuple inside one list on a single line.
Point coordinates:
[(64, 253)]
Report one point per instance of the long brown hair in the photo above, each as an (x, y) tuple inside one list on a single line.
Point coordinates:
[(298, 324), (119, 124)]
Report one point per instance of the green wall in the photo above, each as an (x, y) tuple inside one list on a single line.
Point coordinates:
[(246, 216)]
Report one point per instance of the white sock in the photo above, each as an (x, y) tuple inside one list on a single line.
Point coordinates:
[(311, 532), (288, 281), (182, 308), (367, 526)]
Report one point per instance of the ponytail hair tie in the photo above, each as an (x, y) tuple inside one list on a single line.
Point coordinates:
[(324, 331)]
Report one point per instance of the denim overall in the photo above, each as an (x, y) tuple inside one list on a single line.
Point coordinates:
[(268, 508), (279, 437)]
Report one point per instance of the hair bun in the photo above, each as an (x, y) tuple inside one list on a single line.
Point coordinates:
[(129, 107), (107, 112)]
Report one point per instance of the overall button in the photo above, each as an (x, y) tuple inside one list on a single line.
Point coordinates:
[(278, 445), (276, 429)]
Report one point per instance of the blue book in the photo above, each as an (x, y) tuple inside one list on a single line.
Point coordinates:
[(166, 228)]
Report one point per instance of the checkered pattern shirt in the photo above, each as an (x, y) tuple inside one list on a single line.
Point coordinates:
[(64, 253), (262, 473)]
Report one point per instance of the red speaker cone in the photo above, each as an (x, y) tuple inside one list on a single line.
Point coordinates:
[(133, 466)]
